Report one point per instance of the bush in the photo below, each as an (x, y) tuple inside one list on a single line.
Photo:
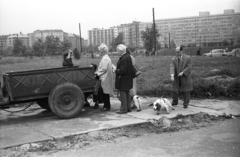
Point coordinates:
[(233, 90)]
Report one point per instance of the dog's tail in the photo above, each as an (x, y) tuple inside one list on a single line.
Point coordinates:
[(150, 105)]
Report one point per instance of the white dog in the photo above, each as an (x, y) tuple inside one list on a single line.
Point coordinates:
[(137, 103), (162, 104)]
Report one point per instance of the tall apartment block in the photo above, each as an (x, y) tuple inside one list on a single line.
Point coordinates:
[(98, 36), (204, 30)]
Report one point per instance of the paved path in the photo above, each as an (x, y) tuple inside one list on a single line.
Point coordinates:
[(36, 124)]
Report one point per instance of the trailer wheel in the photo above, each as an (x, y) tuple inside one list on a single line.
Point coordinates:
[(66, 100), (43, 103)]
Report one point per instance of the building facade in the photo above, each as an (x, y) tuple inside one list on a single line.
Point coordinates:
[(42, 34), (202, 30), (98, 36), (23, 37)]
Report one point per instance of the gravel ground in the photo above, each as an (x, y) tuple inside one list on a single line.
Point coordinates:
[(153, 126)]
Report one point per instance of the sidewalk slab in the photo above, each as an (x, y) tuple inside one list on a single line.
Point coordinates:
[(13, 135), (36, 124)]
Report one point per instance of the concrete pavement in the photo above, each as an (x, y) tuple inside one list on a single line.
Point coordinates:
[(36, 124)]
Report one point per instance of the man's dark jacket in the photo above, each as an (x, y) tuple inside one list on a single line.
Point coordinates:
[(124, 78)]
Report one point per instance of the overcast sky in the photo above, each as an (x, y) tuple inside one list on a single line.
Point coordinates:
[(27, 16)]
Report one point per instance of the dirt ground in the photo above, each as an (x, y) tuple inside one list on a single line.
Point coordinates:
[(153, 126)]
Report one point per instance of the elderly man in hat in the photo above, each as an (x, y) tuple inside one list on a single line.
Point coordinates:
[(180, 72), (105, 74), (124, 79)]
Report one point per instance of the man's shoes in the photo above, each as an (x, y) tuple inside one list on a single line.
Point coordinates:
[(185, 106), (174, 104), (120, 112), (129, 110)]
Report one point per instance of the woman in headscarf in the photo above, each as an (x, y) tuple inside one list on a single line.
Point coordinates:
[(105, 74)]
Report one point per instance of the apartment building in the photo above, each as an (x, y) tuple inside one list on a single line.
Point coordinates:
[(98, 36), (23, 37), (202, 30), (123, 28)]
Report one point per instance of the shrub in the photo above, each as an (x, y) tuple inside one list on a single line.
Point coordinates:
[(233, 90)]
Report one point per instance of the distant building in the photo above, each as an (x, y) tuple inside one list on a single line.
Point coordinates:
[(98, 36), (42, 34), (23, 37), (131, 35), (202, 30), (3, 43)]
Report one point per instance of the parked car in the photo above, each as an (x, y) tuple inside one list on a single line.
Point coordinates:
[(216, 53), (234, 53)]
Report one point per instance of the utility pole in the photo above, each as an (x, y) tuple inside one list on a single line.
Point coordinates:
[(154, 33), (169, 40), (200, 41), (80, 38)]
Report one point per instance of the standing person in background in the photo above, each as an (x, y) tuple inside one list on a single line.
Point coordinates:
[(105, 74), (180, 71), (124, 79), (198, 52)]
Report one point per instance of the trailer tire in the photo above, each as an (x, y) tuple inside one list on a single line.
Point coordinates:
[(43, 103), (66, 100)]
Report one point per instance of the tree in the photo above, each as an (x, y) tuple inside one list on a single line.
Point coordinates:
[(18, 47), (38, 47), (65, 45), (238, 40), (172, 44), (225, 42), (76, 54), (52, 45), (148, 38), (118, 40)]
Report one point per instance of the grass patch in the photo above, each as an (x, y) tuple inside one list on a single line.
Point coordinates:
[(155, 77)]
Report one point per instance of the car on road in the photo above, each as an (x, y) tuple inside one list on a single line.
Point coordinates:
[(216, 53), (234, 53)]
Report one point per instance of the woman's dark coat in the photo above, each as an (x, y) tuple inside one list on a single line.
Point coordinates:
[(124, 78)]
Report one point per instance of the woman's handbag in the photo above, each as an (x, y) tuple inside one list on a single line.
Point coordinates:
[(136, 72)]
